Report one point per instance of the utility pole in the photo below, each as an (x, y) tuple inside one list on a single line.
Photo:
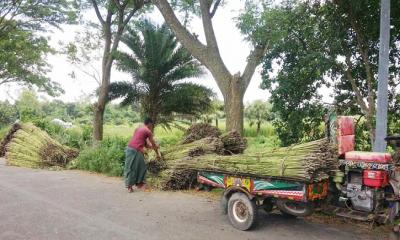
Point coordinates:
[(383, 74)]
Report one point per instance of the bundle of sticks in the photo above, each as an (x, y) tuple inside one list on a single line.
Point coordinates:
[(303, 161), (200, 130), (309, 161), (234, 143), (28, 146)]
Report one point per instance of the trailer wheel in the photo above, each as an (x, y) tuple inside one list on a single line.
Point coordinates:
[(242, 212), (294, 208)]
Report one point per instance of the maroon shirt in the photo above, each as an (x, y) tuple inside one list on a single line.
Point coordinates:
[(138, 140)]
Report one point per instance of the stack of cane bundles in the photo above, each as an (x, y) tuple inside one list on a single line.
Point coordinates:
[(28, 146)]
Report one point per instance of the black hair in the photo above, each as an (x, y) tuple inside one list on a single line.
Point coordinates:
[(147, 121)]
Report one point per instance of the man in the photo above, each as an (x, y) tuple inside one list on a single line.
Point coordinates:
[(135, 166)]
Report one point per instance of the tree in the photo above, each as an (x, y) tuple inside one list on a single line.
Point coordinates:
[(215, 112), (258, 112), (22, 51), (8, 113), (158, 64), (113, 16), (28, 106), (334, 43), (84, 53), (232, 86)]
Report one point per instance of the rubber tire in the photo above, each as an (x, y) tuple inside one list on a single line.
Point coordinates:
[(251, 208), (287, 215), (281, 204)]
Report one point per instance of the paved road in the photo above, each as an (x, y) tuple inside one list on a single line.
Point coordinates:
[(40, 204)]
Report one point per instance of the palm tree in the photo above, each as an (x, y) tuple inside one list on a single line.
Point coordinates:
[(158, 65)]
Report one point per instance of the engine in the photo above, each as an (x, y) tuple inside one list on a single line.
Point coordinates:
[(362, 198)]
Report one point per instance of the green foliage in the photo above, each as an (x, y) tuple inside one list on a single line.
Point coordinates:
[(76, 137), (157, 64), (165, 136), (320, 44), (3, 132), (8, 113), (28, 106), (362, 136), (108, 157), (36, 14), (22, 51), (215, 113), (118, 115), (262, 143), (258, 112)]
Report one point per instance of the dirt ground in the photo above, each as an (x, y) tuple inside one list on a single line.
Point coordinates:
[(42, 204)]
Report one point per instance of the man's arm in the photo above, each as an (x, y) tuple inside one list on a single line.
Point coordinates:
[(154, 145)]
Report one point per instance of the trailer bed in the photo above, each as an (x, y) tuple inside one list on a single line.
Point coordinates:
[(266, 186)]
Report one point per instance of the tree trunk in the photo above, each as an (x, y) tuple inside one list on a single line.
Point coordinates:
[(258, 127), (232, 87), (233, 99), (100, 106), (216, 122)]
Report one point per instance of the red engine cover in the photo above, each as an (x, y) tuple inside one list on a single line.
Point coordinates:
[(371, 157), (375, 178)]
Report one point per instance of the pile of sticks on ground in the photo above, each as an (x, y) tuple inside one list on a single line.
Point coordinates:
[(28, 146), (309, 161)]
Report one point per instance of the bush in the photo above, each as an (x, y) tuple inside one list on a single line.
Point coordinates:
[(3, 132), (53, 130), (76, 137), (108, 157)]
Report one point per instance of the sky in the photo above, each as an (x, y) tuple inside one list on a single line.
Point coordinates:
[(233, 48)]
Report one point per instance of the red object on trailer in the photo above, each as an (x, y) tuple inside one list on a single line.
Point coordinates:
[(370, 157), (346, 144), (375, 178), (345, 126)]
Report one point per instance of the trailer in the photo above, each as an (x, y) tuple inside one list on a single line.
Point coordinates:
[(244, 194)]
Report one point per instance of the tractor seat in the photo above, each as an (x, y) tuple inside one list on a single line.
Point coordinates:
[(370, 157)]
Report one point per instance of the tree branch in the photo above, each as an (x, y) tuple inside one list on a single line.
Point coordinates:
[(253, 60), (364, 54), (207, 25), (118, 4), (185, 37), (215, 7), (96, 8), (357, 92)]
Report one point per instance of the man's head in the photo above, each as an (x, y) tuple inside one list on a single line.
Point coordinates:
[(149, 122)]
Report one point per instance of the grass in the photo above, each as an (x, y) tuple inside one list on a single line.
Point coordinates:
[(166, 137), (266, 139)]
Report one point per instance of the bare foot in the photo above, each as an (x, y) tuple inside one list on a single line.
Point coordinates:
[(130, 189), (144, 187)]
